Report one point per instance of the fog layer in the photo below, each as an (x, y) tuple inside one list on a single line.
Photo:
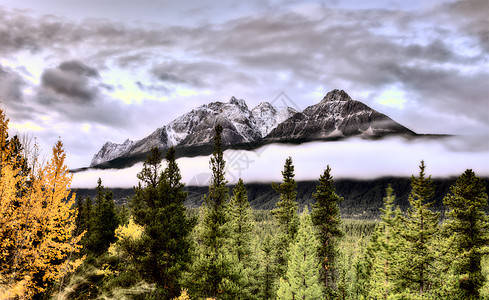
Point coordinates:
[(352, 158)]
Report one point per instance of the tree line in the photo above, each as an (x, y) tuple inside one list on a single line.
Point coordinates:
[(156, 248)]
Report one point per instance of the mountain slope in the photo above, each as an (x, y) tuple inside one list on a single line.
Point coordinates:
[(196, 129), (335, 116)]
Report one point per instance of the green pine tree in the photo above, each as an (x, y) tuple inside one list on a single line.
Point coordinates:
[(107, 221), (302, 277), (267, 275), (241, 226), (213, 275), (327, 220), (384, 279), (420, 227), (101, 222), (240, 223), (467, 227), (285, 214), (364, 267), (158, 207), (80, 220)]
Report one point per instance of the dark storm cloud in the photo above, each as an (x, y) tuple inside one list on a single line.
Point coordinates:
[(71, 80)]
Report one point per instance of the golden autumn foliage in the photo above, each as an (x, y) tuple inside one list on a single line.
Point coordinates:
[(185, 296), (128, 233), (36, 221)]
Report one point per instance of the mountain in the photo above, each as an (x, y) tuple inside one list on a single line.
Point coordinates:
[(196, 129), (110, 151), (335, 116)]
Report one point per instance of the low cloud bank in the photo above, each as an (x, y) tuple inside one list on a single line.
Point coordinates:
[(352, 158)]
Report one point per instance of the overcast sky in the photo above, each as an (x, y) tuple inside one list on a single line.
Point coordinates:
[(97, 71)]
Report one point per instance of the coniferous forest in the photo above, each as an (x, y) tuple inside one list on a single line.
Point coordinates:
[(54, 245)]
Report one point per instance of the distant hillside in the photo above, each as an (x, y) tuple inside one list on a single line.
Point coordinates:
[(362, 198)]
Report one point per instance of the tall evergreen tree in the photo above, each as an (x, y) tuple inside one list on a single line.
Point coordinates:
[(80, 220), (212, 274), (158, 207), (102, 222), (286, 214), (241, 226), (420, 228), (267, 275), (240, 222), (99, 199), (384, 279), (327, 220), (302, 277), (467, 226)]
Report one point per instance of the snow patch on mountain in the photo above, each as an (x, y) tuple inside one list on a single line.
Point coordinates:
[(267, 117)]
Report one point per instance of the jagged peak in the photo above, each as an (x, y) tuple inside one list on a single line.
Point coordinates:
[(239, 102), (287, 109), (336, 95), (264, 105)]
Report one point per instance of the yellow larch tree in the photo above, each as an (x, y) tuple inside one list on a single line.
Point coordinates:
[(37, 222)]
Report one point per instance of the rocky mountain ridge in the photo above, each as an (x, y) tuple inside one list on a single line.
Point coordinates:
[(335, 116), (196, 128)]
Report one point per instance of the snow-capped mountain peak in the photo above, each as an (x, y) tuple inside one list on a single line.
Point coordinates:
[(267, 117), (110, 151), (335, 116), (240, 102), (336, 95)]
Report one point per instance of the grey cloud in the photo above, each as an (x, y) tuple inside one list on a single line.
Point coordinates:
[(78, 68), (163, 76), (11, 84), (21, 31), (107, 87), (71, 80), (134, 60), (471, 16), (341, 46), (450, 91), (198, 74), (153, 88)]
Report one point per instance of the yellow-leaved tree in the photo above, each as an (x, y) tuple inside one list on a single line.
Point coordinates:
[(37, 221)]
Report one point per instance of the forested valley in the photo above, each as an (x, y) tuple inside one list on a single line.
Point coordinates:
[(54, 245)]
